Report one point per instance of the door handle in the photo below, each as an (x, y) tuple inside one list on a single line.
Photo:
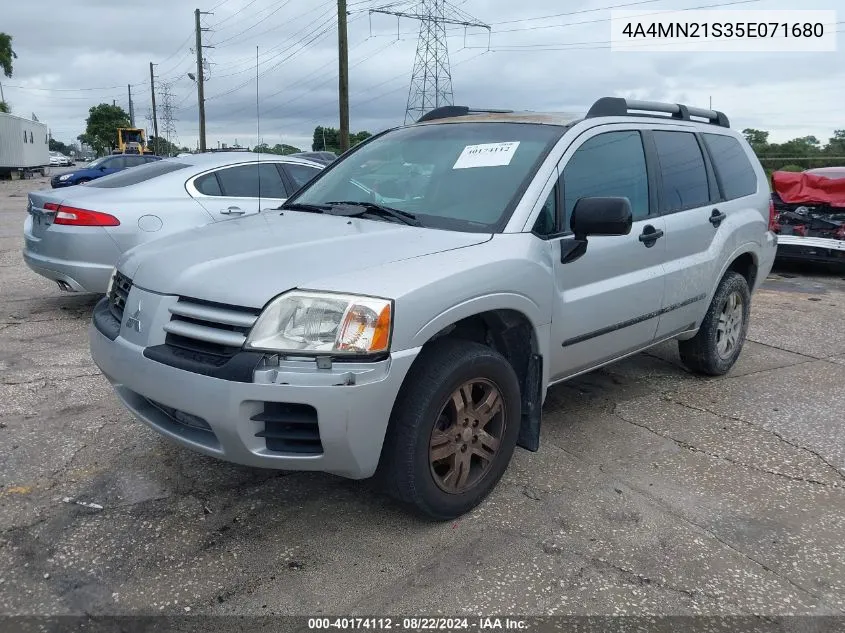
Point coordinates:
[(232, 211), (716, 217), (650, 235)]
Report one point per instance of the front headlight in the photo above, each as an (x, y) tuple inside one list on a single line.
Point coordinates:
[(65, 177), (300, 321)]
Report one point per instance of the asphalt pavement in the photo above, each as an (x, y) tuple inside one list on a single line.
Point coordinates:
[(654, 491)]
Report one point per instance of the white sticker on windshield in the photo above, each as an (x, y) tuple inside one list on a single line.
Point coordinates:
[(486, 155)]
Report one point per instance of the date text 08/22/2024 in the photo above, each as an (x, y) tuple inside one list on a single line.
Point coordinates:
[(419, 623)]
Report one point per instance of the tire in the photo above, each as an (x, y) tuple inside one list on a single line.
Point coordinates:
[(82, 181), (425, 424), (718, 343)]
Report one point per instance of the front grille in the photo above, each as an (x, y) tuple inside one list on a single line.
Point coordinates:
[(213, 331), (290, 428), (118, 294)]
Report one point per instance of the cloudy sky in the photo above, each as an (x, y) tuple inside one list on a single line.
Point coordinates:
[(543, 55)]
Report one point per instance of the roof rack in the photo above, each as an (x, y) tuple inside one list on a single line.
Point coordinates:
[(619, 106), (449, 111)]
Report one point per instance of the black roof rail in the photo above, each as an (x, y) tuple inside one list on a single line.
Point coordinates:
[(619, 106), (447, 112)]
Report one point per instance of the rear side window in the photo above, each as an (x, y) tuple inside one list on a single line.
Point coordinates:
[(610, 164), (208, 186), (137, 175), (733, 169), (246, 181), (682, 171), (301, 174)]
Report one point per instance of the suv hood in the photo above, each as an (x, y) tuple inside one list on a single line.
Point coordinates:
[(248, 261)]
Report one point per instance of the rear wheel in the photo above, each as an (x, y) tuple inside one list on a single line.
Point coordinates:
[(718, 343), (453, 429)]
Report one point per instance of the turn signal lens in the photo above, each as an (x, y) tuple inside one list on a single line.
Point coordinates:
[(71, 216), (364, 329)]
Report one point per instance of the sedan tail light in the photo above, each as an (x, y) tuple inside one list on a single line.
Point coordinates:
[(71, 216)]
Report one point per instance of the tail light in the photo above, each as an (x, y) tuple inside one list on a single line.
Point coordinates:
[(71, 216), (774, 227)]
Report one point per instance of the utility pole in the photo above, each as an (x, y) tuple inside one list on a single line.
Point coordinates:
[(155, 117), (131, 107), (343, 75), (2, 96), (200, 76)]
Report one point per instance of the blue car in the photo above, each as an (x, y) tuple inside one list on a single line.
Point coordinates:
[(101, 167)]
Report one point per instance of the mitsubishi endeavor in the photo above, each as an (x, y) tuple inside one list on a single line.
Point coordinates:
[(404, 314)]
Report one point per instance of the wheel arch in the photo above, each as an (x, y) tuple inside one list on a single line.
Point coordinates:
[(744, 260), (512, 325)]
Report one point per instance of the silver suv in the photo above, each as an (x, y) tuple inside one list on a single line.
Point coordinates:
[(404, 314)]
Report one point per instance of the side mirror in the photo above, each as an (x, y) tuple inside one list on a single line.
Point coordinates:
[(596, 216), (102, 168)]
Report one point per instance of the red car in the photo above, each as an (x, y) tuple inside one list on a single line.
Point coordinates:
[(810, 214)]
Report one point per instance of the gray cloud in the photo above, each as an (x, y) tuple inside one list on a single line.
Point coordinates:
[(106, 45)]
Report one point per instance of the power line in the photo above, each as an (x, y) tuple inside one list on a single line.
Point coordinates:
[(246, 30), (306, 80), (322, 33)]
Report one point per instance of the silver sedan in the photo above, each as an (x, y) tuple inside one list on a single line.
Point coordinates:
[(75, 235)]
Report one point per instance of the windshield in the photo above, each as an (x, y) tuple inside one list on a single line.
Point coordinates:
[(460, 176), (96, 163)]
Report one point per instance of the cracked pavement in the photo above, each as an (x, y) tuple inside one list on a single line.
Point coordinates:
[(654, 491)]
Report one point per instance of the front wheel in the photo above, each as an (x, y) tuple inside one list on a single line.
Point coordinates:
[(716, 346), (453, 430)]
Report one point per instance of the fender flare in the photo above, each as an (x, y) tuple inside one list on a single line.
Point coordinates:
[(485, 303), (750, 248)]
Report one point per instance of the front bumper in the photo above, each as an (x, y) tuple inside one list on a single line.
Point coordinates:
[(353, 401), (55, 183)]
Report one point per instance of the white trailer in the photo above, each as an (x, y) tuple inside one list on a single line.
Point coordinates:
[(24, 146)]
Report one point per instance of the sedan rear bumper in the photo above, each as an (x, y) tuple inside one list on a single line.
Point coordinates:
[(55, 255)]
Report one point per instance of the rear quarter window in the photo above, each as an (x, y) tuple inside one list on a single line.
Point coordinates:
[(733, 169), (136, 175)]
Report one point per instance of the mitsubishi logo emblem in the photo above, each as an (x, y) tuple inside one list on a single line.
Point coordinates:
[(134, 321)]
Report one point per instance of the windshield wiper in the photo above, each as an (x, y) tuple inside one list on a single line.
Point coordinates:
[(300, 206), (377, 209)]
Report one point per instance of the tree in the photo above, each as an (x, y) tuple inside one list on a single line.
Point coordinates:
[(328, 139), (758, 139), (6, 57), (101, 126), (836, 144), (279, 148), (163, 147), (58, 146)]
